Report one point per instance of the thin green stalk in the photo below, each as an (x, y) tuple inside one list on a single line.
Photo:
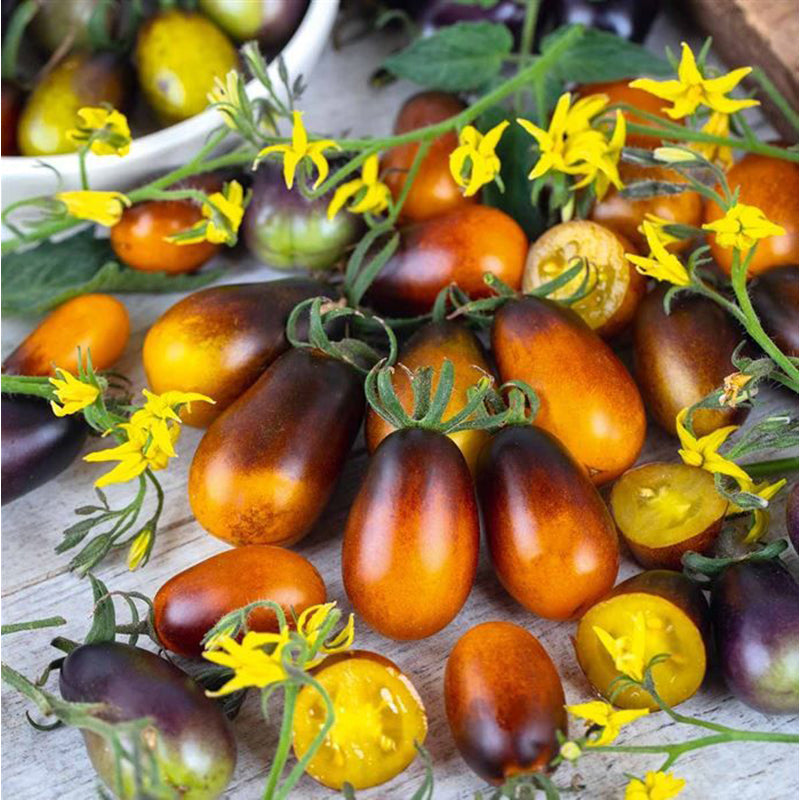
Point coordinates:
[(777, 98), (33, 625), (84, 173), (526, 42), (774, 466), (284, 742), (27, 385)]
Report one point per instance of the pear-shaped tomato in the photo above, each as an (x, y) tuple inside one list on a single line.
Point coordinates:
[(504, 701), (588, 399), (682, 356), (429, 347), (411, 544), (552, 540), (266, 467), (219, 340)]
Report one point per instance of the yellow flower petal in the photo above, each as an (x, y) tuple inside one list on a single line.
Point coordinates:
[(104, 208)]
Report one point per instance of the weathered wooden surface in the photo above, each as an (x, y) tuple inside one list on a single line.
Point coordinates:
[(36, 583)]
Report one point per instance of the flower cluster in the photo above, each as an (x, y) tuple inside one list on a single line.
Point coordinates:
[(222, 215)]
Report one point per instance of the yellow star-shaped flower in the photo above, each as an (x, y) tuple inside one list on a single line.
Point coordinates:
[(107, 129), (374, 195), (73, 394), (104, 208), (251, 664), (742, 227), (655, 786), (661, 264), (610, 719), (476, 152), (309, 626)]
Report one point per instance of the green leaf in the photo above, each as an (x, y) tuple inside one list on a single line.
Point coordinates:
[(37, 280), (104, 621), (457, 58)]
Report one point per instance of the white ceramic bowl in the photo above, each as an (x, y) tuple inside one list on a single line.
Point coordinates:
[(24, 177)]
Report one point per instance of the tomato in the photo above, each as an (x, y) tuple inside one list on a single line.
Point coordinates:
[(618, 287), (626, 216), (504, 701), (621, 92), (434, 192), (460, 247), (676, 624), (408, 574), (429, 347), (682, 356), (266, 467), (379, 717), (190, 603), (663, 510), (588, 399), (774, 296), (552, 541), (770, 184), (95, 323), (12, 105), (139, 238), (219, 340)]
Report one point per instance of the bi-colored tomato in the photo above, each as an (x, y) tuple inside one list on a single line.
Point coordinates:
[(411, 543), (429, 347), (774, 295), (460, 247), (588, 399), (95, 323), (770, 184), (617, 286), (190, 603), (379, 718), (266, 467), (504, 701), (674, 615), (682, 356), (434, 192), (552, 541), (219, 340)]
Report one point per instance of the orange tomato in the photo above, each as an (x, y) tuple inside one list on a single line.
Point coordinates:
[(95, 323)]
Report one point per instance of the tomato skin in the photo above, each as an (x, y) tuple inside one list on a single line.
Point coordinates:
[(774, 295), (95, 323), (434, 192), (588, 399), (218, 341), (459, 247), (409, 574), (429, 347), (190, 603), (770, 184), (679, 358), (266, 467), (552, 541), (504, 701)]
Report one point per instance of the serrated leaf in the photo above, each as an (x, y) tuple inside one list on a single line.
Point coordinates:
[(37, 280), (104, 620), (457, 58)]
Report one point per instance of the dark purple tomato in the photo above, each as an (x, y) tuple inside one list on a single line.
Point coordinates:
[(791, 518), (194, 748), (12, 105), (441, 13), (754, 617), (774, 294), (630, 19), (58, 20), (37, 445)]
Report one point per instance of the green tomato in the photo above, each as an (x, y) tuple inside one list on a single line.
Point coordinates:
[(272, 22)]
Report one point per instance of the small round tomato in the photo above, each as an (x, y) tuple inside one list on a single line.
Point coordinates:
[(617, 286), (96, 323), (434, 192), (775, 299), (139, 238), (663, 510), (770, 184), (504, 701), (672, 615), (190, 603), (626, 216), (379, 718)]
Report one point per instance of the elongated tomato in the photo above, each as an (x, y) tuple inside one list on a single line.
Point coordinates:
[(266, 467), (552, 540), (504, 701), (411, 544), (429, 347), (588, 399)]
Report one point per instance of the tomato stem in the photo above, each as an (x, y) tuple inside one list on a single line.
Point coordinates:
[(775, 466), (290, 691)]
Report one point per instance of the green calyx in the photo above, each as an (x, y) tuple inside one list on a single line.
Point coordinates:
[(703, 569)]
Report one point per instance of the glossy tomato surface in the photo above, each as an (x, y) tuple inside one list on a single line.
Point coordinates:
[(411, 544), (504, 701), (774, 295)]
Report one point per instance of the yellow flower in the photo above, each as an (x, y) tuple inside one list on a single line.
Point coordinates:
[(661, 264), (309, 626), (607, 717), (107, 128), (703, 453), (299, 149), (226, 98), (742, 226), (160, 413), (732, 386), (760, 524), (223, 211), (718, 124), (692, 89), (374, 194), (140, 548), (73, 394), (477, 152), (658, 224), (589, 154), (655, 786), (674, 155), (627, 651), (104, 208), (251, 664)]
